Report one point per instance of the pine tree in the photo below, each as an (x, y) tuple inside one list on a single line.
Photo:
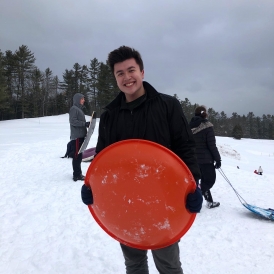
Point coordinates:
[(12, 83), (93, 69), (223, 124), (67, 86), (237, 132), (35, 97), (188, 109), (55, 89), (214, 118), (106, 87), (24, 64), (47, 90), (251, 125), (3, 88)]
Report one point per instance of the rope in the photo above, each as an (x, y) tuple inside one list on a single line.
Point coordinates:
[(241, 199)]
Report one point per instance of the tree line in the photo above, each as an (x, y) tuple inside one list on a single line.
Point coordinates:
[(28, 92)]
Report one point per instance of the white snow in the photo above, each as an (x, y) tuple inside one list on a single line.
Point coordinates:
[(45, 227)]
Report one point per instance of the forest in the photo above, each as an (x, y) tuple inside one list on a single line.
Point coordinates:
[(28, 92)]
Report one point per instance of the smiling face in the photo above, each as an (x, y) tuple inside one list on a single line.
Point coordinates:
[(129, 79)]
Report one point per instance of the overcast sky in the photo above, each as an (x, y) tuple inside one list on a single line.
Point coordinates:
[(216, 53)]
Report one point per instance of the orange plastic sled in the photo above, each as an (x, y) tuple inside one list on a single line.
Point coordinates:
[(139, 190)]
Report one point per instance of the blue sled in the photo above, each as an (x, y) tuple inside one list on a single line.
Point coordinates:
[(266, 213)]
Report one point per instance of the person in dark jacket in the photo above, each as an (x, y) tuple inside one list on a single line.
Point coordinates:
[(140, 112), (206, 151), (78, 133)]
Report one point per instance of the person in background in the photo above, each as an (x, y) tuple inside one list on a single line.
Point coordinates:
[(141, 112), (206, 151), (78, 133), (260, 170)]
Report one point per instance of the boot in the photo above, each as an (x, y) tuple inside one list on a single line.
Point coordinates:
[(212, 204), (80, 177), (208, 198)]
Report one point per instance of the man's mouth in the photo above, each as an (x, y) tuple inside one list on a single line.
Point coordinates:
[(129, 84)]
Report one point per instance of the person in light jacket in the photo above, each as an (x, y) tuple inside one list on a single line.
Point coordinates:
[(78, 133), (260, 170)]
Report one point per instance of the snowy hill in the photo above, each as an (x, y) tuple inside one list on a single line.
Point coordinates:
[(45, 227)]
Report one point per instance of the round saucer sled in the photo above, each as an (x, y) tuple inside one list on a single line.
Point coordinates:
[(139, 190)]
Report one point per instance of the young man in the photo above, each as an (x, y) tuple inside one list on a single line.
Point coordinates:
[(78, 133), (140, 112)]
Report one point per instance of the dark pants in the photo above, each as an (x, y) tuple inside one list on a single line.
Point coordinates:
[(208, 178), (77, 158), (167, 260)]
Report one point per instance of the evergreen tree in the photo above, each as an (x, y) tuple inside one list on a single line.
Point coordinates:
[(35, 97), (223, 124), (12, 83), (76, 77), (93, 69), (3, 88), (214, 117), (233, 121), (188, 109), (61, 101), (24, 64), (237, 132), (106, 87), (84, 89), (47, 90), (251, 125), (53, 96), (68, 88), (270, 119)]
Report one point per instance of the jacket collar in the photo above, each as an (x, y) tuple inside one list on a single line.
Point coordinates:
[(150, 93)]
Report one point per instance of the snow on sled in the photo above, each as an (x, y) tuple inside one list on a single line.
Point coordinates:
[(263, 212), (126, 208), (88, 154)]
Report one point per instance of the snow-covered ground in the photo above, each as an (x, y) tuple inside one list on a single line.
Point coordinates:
[(45, 227)]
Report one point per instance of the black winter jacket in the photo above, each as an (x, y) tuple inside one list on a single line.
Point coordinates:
[(206, 149), (159, 118)]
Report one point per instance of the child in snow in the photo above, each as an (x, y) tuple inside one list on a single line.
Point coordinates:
[(260, 170)]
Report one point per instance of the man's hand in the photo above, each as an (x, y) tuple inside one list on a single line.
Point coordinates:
[(87, 196), (194, 201)]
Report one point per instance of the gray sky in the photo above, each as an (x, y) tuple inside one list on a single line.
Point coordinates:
[(216, 53)]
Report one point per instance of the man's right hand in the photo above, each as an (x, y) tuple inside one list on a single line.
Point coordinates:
[(87, 196)]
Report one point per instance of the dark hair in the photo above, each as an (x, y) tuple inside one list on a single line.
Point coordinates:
[(201, 111), (124, 53)]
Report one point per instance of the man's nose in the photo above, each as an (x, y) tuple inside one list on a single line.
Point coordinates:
[(127, 76)]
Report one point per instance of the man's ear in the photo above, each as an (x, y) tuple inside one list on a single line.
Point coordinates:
[(143, 74)]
